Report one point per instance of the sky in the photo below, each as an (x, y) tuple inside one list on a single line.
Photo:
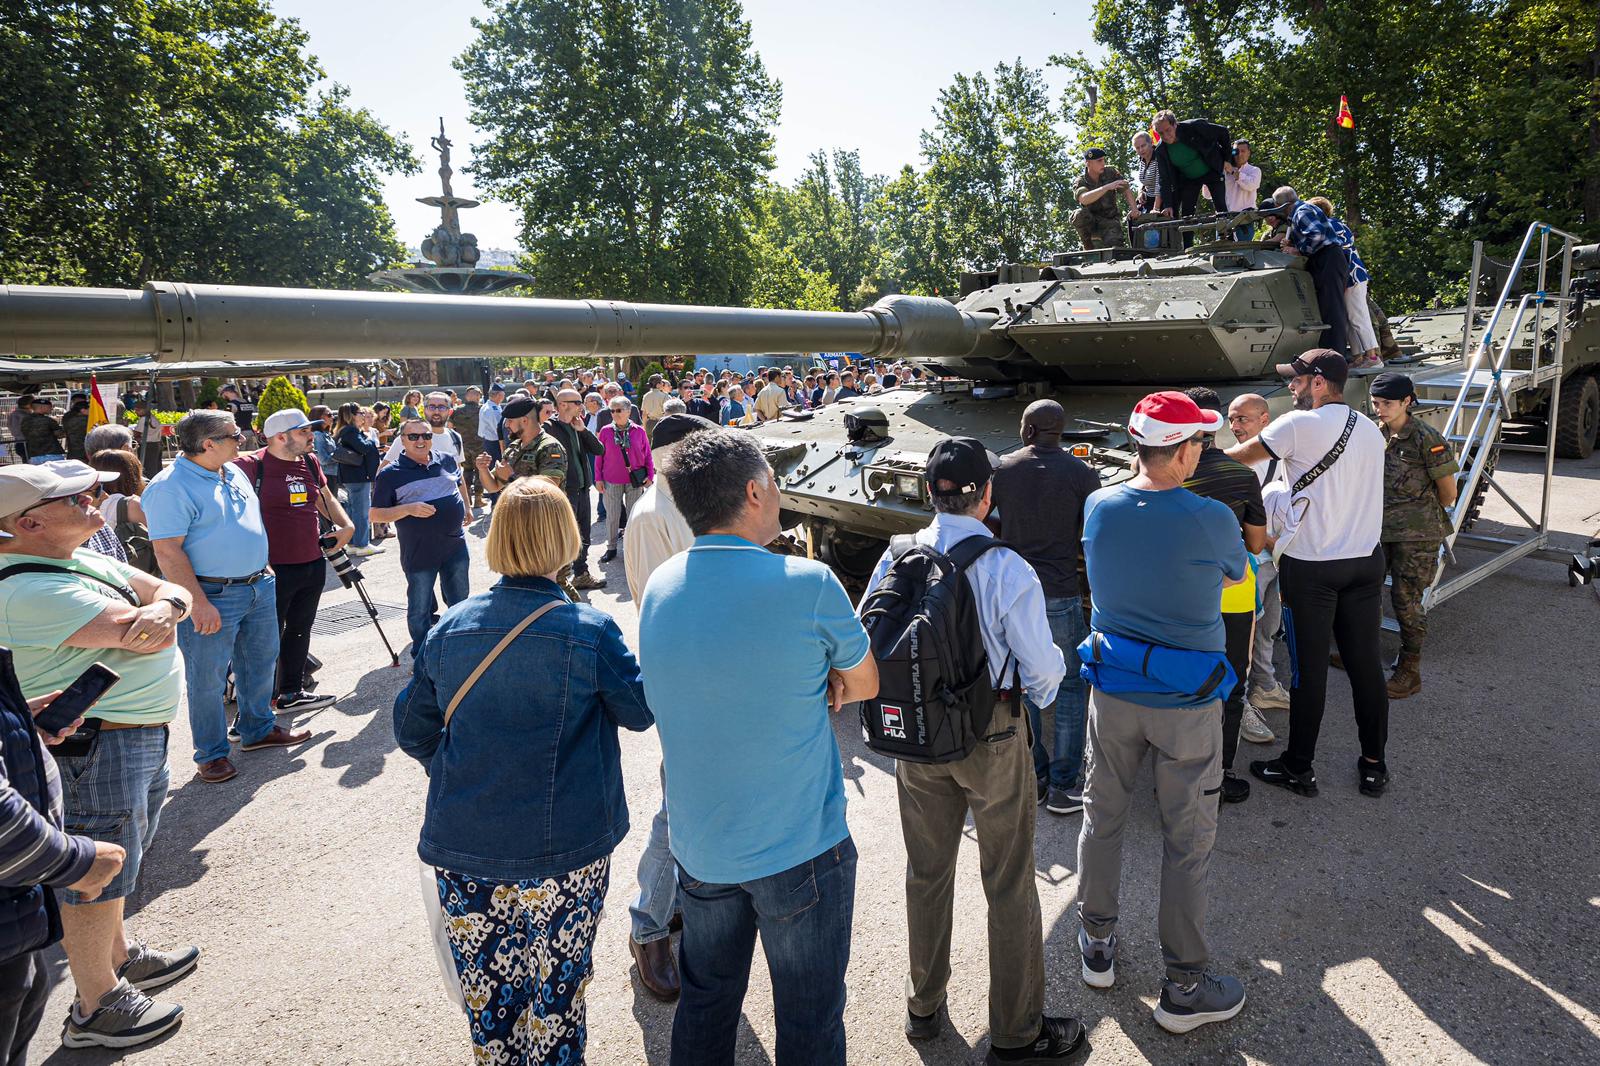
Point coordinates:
[(862, 75)]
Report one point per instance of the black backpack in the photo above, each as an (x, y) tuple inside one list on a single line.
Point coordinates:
[(935, 700)]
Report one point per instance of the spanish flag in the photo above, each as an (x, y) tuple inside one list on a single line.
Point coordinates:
[(1345, 119), (97, 406)]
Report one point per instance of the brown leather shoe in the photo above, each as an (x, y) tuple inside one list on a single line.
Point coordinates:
[(216, 771), (278, 738), (658, 971)]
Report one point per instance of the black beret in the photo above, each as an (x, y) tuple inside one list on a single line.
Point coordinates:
[(518, 408), (1391, 386), (673, 428)]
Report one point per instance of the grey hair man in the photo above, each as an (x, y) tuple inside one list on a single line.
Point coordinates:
[(107, 438)]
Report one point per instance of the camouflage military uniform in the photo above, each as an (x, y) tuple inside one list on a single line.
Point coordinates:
[(1099, 224), (464, 419), (543, 456), (1388, 347), (1414, 522)]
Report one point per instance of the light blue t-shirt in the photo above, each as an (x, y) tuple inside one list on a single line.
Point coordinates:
[(1156, 563), (753, 777), (216, 513)]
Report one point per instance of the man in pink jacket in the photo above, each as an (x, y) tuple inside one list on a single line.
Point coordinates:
[(624, 471)]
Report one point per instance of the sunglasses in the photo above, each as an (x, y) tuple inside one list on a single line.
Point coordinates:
[(237, 436), (75, 498), (418, 436)]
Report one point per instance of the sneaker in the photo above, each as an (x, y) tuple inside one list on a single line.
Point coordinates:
[(1099, 959), (1275, 698), (587, 580), (1211, 999), (1044, 790), (126, 1017), (1372, 777), (611, 553), (919, 1027), (362, 553), (1369, 361), (303, 701), (1064, 800), (233, 730), (148, 969), (1273, 772), (1253, 727), (1058, 1039), (1235, 789)]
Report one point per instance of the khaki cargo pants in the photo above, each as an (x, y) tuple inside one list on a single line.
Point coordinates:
[(996, 784)]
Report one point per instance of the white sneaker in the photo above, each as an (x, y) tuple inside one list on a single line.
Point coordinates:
[(1254, 729), (1275, 698)]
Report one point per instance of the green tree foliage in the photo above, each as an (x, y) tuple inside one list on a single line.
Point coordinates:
[(182, 139), (279, 395), (914, 238), (632, 135)]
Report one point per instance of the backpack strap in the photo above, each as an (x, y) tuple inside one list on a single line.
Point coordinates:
[(45, 568), (966, 552), (1328, 460)]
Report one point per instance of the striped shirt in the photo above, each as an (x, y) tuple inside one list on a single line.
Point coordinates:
[(1310, 230), (33, 849)]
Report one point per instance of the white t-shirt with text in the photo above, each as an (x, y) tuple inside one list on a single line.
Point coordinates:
[(1343, 515)]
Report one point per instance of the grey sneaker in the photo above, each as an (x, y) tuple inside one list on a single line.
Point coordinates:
[(1275, 698), (126, 1017), (1099, 959), (148, 969), (1064, 800), (1210, 999), (1254, 729)]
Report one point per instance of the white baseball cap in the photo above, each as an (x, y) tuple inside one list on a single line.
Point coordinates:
[(22, 485), (285, 420)]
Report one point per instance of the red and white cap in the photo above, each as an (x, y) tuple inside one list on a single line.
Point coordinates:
[(1165, 418)]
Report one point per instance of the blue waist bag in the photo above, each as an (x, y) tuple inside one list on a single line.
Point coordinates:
[(1117, 664)]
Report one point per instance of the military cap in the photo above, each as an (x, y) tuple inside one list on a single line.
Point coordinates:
[(1392, 386), (519, 408)]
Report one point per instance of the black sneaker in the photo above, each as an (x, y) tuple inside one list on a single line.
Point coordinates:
[(303, 701), (1044, 790), (1372, 776), (611, 553), (1058, 1039), (1273, 772), (919, 1027), (1213, 998), (1235, 789), (233, 731)]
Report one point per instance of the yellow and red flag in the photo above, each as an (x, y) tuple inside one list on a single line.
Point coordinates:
[(1345, 119), (97, 406)]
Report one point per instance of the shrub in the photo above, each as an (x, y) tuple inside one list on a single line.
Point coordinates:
[(279, 395)]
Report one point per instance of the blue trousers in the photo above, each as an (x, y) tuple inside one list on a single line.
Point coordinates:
[(422, 609), (248, 639), (1062, 765)]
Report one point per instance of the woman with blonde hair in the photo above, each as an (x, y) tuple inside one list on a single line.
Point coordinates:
[(513, 706)]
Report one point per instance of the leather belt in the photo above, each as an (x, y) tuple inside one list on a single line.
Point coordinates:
[(249, 579), (104, 725)]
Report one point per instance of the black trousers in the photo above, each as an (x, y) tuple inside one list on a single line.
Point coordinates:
[(1341, 599), (1330, 271), (24, 989), (579, 498), (299, 592), (1240, 627), (1188, 197)]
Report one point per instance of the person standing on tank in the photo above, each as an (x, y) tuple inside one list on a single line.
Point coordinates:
[(1193, 155), (1312, 235)]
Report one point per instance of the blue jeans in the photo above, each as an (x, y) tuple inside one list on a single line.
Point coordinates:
[(1063, 766), (804, 915), (114, 794), (358, 505), (248, 639), (652, 909), (422, 610)]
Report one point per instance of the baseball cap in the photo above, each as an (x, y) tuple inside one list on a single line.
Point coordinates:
[(22, 486), (285, 420), (1281, 202), (1166, 418), (962, 460), (1321, 362), (1094, 153), (1392, 386), (496, 387), (673, 428)]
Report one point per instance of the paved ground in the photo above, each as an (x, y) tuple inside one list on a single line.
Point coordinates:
[(1452, 921)]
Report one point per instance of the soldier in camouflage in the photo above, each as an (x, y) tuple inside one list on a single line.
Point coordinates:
[(1097, 217), (1419, 483), (529, 452), (465, 420)]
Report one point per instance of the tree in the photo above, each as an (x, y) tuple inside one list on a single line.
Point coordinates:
[(279, 395), (631, 134), (913, 237), (171, 139)]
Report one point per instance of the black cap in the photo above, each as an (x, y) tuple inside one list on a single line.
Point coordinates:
[(1094, 153), (1321, 362), (673, 428), (962, 460), (1392, 386), (518, 408)]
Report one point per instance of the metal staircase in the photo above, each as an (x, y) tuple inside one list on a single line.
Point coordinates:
[(1474, 399)]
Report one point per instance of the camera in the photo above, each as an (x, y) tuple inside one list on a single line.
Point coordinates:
[(340, 560)]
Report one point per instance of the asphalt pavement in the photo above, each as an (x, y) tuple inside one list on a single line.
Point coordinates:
[(1454, 920)]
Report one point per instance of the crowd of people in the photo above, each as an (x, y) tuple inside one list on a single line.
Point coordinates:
[(1111, 626)]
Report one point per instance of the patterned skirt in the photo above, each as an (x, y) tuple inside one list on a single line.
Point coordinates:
[(524, 953)]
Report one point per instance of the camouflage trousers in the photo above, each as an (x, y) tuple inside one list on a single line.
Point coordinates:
[(1098, 232), (1410, 564), (469, 467)]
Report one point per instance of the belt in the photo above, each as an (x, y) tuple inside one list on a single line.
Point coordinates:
[(104, 725), (248, 579)]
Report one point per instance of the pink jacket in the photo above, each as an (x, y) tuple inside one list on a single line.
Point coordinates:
[(611, 467)]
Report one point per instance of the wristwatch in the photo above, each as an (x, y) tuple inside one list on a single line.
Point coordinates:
[(181, 604)]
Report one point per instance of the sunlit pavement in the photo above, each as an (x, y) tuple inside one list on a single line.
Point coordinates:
[(1454, 920)]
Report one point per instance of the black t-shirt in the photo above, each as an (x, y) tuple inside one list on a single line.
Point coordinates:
[(1229, 481), (244, 414), (1039, 492)]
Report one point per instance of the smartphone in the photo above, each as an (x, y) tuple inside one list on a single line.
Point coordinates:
[(78, 698)]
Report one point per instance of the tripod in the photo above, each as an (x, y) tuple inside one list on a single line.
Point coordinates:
[(350, 577)]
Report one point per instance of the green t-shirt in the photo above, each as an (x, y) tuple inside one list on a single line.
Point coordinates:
[(1186, 160), (39, 612)]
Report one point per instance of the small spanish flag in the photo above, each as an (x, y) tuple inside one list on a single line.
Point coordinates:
[(97, 406), (1345, 119)]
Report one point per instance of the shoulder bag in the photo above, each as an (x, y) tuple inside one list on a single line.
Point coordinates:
[(1284, 511)]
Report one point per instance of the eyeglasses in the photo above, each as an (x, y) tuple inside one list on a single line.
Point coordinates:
[(418, 436), (436, 407), (75, 498), (237, 436)]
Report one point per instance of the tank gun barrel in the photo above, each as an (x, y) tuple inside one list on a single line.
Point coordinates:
[(189, 323), (1586, 257)]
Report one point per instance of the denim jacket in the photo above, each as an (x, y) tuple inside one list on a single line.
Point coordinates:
[(527, 781)]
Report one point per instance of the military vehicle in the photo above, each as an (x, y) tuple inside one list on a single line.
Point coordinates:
[(1094, 329)]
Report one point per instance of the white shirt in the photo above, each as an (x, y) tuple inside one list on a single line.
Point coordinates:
[(1241, 187), (1269, 470), (489, 421), (1010, 607), (444, 443), (656, 532), (1343, 508)]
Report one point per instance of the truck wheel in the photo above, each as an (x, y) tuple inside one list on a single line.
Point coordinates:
[(1579, 417)]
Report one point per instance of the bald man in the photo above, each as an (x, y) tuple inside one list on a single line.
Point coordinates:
[(1248, 415), (1038, 499)]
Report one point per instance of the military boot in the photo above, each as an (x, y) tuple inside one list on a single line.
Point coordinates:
[(1407, 677)]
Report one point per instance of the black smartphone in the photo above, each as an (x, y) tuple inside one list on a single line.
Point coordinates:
[(78, 698)]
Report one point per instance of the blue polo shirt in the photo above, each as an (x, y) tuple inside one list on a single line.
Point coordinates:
[(425, 543), (215, 512), (753, 777)]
